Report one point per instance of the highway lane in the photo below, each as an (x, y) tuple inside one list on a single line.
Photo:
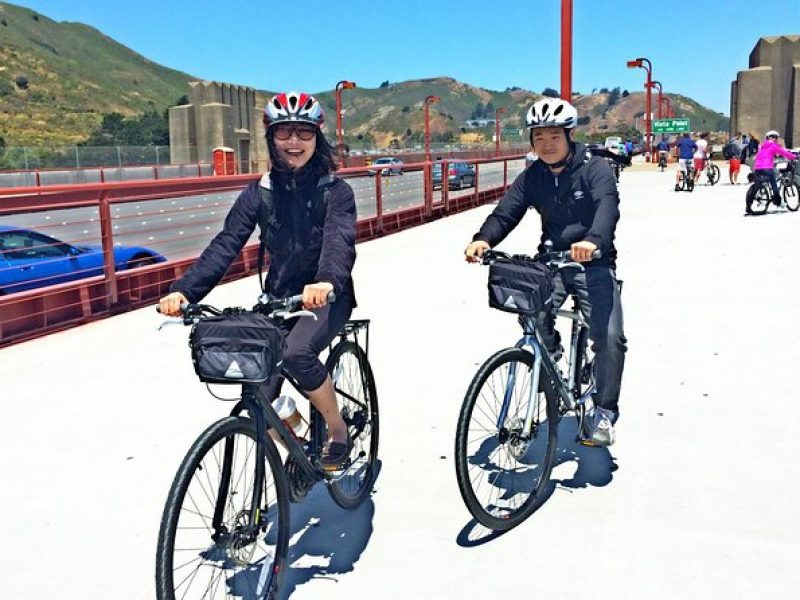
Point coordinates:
[(181, 227)]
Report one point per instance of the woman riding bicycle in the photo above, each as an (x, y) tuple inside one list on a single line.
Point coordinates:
[(307, 219), (764, 165), (577, 199)]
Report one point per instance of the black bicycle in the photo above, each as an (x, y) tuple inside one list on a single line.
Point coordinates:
[(225, 527), (712, 172), (662, 160), (759, 195), (685, 178), (508, 424)]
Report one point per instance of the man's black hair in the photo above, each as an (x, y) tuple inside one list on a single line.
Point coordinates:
[(322, 162)]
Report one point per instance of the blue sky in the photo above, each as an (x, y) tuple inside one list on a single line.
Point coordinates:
[(696, 49)]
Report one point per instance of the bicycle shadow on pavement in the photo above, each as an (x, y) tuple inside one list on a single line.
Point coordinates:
[(325, 540), (594, 466)]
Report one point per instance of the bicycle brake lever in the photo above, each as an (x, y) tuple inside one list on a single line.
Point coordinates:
[(176, 321), (285, 315)]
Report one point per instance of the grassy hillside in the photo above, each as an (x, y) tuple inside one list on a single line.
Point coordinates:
[(74, 74)]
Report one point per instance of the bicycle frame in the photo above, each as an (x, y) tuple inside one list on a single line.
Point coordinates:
[(568, 393)]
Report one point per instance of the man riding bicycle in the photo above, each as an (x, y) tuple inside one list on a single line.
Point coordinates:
[(577, 198), (764, 165), (686, 148), (663, 150)]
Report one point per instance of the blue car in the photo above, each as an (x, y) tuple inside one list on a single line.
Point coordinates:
[(29, 260)]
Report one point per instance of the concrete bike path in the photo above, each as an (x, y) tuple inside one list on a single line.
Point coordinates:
[(696, 500)]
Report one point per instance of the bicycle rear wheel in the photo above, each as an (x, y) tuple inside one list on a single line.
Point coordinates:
[(200, 558), (791, 197), (712, 174), (758, 198), (358, 402), (502, 471)]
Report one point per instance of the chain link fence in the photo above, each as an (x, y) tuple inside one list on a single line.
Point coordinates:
[(23, 158)]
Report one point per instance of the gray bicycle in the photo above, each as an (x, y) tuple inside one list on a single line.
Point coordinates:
[(508, 425)]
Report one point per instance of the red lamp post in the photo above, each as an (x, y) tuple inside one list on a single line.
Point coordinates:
[(342, 85), (660, 98), (639, 63), (566, 50), (428, 101), (497, 113)]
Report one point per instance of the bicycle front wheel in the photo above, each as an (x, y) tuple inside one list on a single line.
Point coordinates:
[(207, 547), (791, 197), (503, 468), (358, 403), (758, 199)]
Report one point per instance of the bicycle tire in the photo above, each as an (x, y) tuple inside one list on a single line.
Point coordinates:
[(713, 174), (501, 482), (791, 197), (758, 199), (690, 182), (230, 570), (584, 369), (358, 402)]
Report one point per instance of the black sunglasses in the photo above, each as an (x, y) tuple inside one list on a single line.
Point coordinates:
[(303, 132)]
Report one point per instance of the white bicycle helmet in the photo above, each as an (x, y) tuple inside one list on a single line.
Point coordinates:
[(772, 133), (551, 112), (293, 107)]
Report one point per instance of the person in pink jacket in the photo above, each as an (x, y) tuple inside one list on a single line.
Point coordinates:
[(764, 165)]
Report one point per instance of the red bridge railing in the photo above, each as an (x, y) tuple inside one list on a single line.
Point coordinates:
[(177, 218)]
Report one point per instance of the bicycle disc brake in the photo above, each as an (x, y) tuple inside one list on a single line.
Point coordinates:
[(518, 443)]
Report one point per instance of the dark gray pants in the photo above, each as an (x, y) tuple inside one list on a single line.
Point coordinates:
[(305, 340), (599, 298)]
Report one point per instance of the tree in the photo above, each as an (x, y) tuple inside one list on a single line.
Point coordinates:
[(613, 96), (385, 84), (593, 91), (625, 93), (21, 81), (479, 112), (405, 109), (182, 101), (2, 143), (550, 92), (409, 133), (489, 109), (603, 90)]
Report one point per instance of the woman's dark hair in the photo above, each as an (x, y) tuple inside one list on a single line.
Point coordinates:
[(322, 162)]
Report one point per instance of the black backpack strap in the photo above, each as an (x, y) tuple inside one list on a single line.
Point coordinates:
[(266, 222)]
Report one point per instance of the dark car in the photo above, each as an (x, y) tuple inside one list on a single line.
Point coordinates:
[(459, 174), (29, 260), (393, 166)]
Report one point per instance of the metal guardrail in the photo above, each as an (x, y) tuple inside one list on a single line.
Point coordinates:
[(182, 215)]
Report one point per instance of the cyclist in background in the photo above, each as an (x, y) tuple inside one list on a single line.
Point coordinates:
[(576, 196), (663, 150), (764, 165), (309, 228), (686, 148)]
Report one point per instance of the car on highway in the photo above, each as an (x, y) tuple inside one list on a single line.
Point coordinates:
[(29, 259), (393, 166), (459, 174)]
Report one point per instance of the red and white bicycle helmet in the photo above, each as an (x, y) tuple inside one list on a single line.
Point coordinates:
[(551, 112), (293, 107)]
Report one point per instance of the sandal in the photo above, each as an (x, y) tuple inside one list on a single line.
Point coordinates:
[(335, 455)]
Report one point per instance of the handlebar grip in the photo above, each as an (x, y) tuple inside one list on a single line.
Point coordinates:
[(597, 254), (184, 306)]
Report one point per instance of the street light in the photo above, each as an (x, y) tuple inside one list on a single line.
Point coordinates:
[(660, 98), (497, 113), (566, 50), (639, 63), (342, 85), (428, 101)]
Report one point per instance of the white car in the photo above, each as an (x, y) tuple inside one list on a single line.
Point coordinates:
[(393, 166)]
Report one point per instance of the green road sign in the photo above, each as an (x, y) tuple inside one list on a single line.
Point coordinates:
[(670, 125)]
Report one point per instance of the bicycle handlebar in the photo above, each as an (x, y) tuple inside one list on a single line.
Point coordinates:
[(555, 258), (280, 308)]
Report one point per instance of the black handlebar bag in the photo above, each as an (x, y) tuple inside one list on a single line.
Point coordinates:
[(520, 286), (236, 348)]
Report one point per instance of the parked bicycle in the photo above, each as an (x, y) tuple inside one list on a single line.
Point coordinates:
[(759, 195), (225, 527), (508, 424)]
